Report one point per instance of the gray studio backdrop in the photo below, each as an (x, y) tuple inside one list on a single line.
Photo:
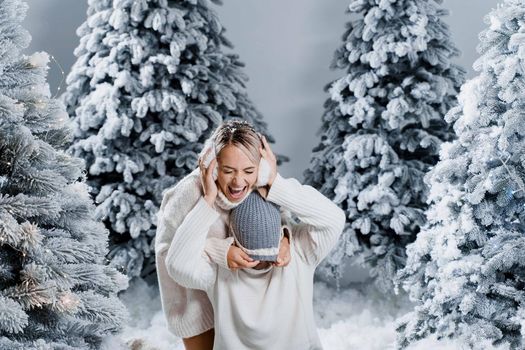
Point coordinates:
[(287, 47)]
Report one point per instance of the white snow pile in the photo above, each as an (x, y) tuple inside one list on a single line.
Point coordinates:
[(358, 317)]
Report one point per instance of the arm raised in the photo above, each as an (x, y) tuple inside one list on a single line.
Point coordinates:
[(322, 222)]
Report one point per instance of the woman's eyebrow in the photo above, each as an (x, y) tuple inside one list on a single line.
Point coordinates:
[(250, 167)]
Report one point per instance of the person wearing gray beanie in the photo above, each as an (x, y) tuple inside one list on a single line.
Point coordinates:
[(268, 307), (255, 224)]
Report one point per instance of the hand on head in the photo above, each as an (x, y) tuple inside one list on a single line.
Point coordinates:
[(267, 154), (209, 186)]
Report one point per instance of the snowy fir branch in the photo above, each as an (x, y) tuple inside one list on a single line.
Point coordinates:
[(56, 289), (513, 175)]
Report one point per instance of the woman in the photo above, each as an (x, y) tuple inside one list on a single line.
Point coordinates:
[(188, 312), (266, 307)]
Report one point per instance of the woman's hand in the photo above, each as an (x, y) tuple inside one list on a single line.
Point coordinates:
[(284, 257), (267, 154), (238, 259), (263, 191), (209, 187)]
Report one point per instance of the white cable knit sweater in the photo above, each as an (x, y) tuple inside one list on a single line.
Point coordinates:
[(188, 311), (257, 309)]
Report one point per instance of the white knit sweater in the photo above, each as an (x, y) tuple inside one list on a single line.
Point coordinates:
[(260, 309), (188, 311)]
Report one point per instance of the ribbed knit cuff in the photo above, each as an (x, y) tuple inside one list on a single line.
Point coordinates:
[(217, 250), (277, 190)]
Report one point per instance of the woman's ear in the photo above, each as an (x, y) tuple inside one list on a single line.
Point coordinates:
[(264, 173)]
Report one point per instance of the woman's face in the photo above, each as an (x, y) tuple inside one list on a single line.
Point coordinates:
[(237, 173)]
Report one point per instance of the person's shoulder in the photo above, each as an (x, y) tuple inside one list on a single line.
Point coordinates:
[(186, 189)]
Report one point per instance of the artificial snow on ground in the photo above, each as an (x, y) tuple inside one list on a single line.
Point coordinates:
[(357, 317)]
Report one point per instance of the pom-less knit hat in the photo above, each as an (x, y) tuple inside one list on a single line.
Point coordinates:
[(256, 227)]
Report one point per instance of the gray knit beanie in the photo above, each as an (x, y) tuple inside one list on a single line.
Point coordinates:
[(256, 227)]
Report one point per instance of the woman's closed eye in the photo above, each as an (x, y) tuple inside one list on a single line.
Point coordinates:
[(247, 172)]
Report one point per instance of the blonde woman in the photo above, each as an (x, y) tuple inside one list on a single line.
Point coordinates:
[(236, 146), (263, 307)]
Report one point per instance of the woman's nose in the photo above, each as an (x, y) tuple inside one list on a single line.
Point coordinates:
[(236, 179)]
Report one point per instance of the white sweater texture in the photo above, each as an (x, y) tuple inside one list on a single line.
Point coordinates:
[(188, 311), (254, 309)]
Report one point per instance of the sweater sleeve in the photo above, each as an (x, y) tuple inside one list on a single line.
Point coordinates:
[(176, 204), (322, 221), (185, 260)]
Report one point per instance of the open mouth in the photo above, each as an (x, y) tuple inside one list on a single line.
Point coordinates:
[(237, 193)]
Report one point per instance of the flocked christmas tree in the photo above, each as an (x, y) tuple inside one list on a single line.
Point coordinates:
[(150, 84), (466, 270), (382, 128), (56, 289)]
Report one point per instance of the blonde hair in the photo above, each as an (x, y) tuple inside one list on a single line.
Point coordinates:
[(238, 133)]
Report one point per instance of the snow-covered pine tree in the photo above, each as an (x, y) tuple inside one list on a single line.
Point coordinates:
[(382, 128), (56, 289), (150, 84), (466, 269)]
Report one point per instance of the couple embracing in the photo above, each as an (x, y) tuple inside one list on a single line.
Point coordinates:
[(235, 272)]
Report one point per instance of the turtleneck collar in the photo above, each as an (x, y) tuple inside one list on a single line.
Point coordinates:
[(224, 203)]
